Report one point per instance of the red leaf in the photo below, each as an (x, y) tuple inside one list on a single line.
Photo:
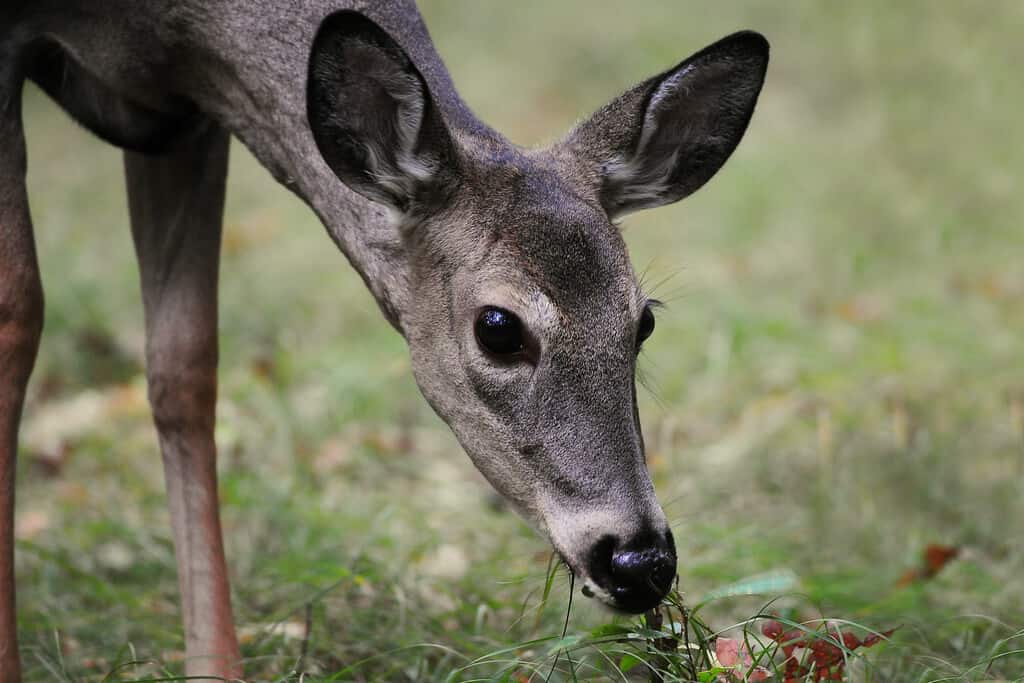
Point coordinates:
[(772, 629), (790, 640), (851, 641), (936, 557), (822, 653), (875, 638), (908, 577)]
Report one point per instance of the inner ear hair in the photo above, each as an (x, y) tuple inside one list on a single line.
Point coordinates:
[(372, 115)]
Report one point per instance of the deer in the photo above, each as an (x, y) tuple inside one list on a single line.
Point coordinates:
[(503, 267)]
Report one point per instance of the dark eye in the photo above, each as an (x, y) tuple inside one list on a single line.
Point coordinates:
[(646, 326), (499, 332)]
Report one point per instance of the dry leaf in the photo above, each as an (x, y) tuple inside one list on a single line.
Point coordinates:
[(934, 558), (734, 654), (819, 655), (30, 524), (286, 630)]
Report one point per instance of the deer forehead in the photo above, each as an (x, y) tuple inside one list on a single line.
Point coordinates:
[(537, 224)]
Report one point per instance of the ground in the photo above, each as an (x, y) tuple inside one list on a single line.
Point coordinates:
[(835, 384)]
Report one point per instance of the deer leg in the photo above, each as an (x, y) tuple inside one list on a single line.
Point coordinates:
[(176, 204), (21, 322)]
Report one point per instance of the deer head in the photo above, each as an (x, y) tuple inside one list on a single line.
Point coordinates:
[(522, 313)]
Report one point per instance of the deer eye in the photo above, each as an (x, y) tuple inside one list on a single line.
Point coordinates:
[(646, 326), (499, 332)]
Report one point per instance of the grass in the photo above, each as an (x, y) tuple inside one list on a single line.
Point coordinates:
[(836, 382)]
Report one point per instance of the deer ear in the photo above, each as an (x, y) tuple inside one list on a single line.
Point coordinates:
[(372, 115), (662, 140)]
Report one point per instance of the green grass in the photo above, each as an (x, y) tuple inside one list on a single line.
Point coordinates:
[(837, 380)]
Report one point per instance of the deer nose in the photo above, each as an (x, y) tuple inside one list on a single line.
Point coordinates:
[(638, 573)]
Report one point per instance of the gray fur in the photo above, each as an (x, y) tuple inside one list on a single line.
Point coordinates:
[(441, 216)]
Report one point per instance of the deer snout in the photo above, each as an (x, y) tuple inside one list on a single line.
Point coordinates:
[(636, 573)]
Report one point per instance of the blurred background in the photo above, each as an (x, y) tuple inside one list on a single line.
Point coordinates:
[(835, 386)]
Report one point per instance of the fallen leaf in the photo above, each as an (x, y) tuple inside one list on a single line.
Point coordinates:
[(821, 653), (52, 426), (286, 630), (861, 310), (50, 462), (333, 455), (30, 524), (727, 650), (115, 556), (934, 559), (938, 556), (448, 562), (734, 654)]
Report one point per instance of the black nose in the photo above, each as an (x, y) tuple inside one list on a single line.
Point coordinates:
[(637, 574)]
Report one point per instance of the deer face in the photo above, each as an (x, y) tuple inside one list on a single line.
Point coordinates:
[(526, 346), (523, 315)]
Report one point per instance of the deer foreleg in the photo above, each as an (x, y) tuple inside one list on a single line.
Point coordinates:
[(176, 204), (21, 322)]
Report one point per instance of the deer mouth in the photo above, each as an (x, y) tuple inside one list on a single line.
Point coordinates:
[(625, 601)]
